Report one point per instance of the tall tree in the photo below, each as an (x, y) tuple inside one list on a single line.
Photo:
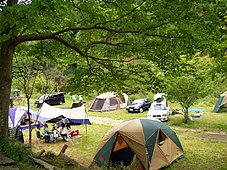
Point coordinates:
[(193, 84), (27, 71), (106, 35)]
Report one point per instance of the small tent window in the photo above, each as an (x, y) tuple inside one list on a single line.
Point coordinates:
[(98, 104), (161, 137), (113, 101)]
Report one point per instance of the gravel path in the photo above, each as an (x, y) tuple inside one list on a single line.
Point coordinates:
[(221, 136), (104, 121)]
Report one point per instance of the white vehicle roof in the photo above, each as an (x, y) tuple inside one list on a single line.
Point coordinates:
[(158, 95)]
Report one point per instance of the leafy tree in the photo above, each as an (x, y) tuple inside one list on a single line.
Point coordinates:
[(107, 36), (44, 85), (27, 71), (55, 75), (220, 50), (195, 83)]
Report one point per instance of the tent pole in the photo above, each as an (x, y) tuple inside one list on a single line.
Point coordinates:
[(86, 123)]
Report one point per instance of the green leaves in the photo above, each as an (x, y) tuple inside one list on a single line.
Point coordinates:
[(113, 43), (4, 38)]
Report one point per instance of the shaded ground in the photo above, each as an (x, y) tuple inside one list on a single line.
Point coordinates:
[(6, 163), (221, 136)]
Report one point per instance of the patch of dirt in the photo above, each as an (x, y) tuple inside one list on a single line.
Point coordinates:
[(218, 136), (104, 121), (6, 163)]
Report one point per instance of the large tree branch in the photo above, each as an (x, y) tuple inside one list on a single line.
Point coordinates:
[(33, 37), (67, 44), (110, 29)]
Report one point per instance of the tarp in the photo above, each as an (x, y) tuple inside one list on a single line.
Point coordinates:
[(194, 110), (49, 113)]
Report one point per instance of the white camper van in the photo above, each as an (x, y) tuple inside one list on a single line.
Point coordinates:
[(159, 108)]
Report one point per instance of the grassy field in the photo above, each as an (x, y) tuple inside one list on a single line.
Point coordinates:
[(199, 153)]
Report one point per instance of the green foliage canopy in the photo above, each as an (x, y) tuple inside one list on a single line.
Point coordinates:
[(106, 37), (110, 37)]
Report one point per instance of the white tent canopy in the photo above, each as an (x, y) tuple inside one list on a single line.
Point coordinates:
[(48, 113)]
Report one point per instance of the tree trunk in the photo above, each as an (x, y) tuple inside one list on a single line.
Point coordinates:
[(6, 59), (186, 115), (29, 121)]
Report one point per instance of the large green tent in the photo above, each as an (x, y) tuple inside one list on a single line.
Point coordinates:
[(221, 102), (144, 144)]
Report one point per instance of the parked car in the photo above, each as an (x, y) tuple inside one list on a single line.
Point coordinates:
[(159, 108), (51, 99), (139, 105)]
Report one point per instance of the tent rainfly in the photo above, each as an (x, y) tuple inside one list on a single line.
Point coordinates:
[(221, 102), (18, 116), (143, 144), (49, 113), (109, 102)]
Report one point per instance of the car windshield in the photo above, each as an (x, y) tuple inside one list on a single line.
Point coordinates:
[(158, 107), (138, 101), (43, 97)]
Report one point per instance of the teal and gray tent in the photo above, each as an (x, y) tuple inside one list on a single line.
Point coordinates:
[(144, 144), (221, 102)]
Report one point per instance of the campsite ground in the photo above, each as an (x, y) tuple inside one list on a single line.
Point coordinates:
[(204, 139), (203, 149)]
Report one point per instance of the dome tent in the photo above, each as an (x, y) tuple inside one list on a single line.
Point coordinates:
[(18, 116), (150, 143)]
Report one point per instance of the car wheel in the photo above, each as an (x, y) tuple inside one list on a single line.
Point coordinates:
[(60, 103), (141, 110)]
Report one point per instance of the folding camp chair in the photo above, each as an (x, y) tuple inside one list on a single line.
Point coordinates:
[(74, 135), (39, 138)]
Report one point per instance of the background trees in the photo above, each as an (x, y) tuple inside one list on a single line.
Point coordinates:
[(193, 84), (109, 40)]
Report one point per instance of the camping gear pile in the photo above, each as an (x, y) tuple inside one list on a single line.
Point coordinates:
[(143, 144)]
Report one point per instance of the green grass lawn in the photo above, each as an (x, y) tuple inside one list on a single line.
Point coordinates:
[(199, 153)]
